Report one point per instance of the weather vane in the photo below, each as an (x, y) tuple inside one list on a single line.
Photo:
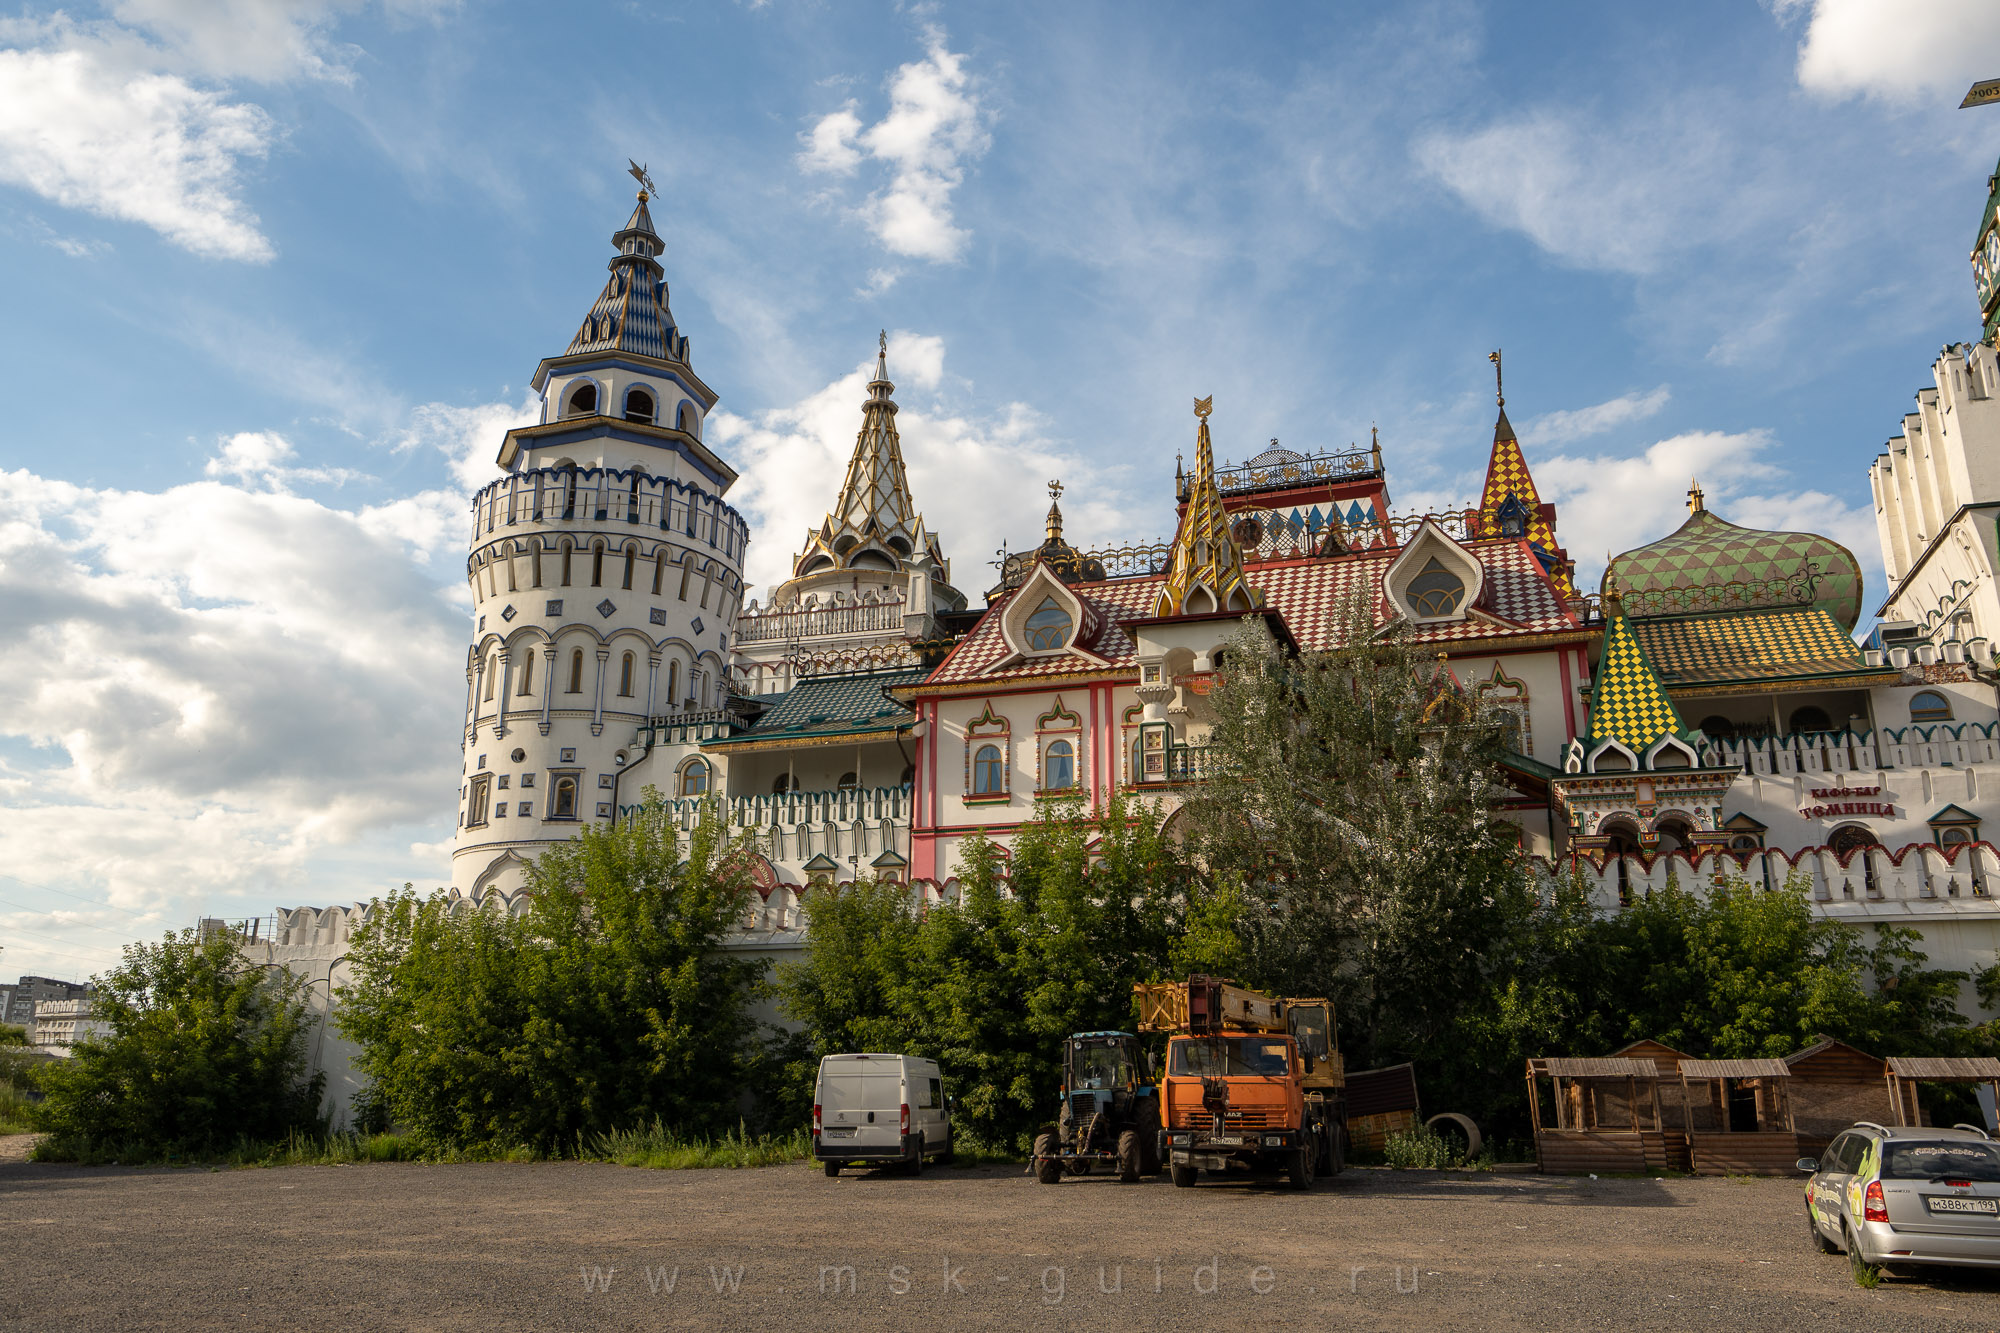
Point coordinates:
[(1203, 406), (638, 173), (1055, 491), (882, 341), (1499, 389)]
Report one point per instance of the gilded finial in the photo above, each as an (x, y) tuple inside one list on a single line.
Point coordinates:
[(1695, 503), (1499, 389), (1203, 406), (1055, 491)]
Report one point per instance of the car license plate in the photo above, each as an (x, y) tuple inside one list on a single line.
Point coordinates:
[(838, 1132), (1227, 1141), (1960, 1204)]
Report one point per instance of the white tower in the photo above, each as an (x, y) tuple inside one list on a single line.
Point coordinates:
[(606, 576)]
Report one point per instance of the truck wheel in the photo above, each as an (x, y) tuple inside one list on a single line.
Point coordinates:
[(1048, 1167), (915, 1166), (832, 1170), (1299, 1170), (1128, 1157), (1333, 1157), (1183, 1176)]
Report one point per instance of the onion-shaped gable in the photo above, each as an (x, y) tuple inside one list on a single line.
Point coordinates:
[(1775, 568)]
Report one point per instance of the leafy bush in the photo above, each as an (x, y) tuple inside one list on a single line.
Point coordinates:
[(661, 1148), (203, 1050), (1419, 1149), (609, 1003)]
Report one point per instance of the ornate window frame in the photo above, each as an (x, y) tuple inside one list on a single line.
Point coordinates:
[(1058, 724), (989, 728), (1508, 695), (1432, 542)]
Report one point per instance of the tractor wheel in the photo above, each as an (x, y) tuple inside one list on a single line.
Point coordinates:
[(1048, 1167), (832, 1170), (1128, 1157), (1183, 1176)]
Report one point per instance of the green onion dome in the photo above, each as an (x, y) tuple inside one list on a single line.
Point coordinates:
[(1707, 552)]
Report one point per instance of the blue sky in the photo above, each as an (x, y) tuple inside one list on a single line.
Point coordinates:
[(278, 273)]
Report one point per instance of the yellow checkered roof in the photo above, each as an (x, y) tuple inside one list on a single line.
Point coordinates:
[(1507, 474), (1801, 641), (1627, 703)]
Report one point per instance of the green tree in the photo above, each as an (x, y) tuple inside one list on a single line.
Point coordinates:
[(1038, 946), (609, 1003), (204, 1050)]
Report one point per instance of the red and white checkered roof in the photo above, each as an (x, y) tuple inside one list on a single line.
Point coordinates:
[(1306, 593)]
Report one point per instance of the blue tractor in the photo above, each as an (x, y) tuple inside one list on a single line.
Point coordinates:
[(1110, 1111)]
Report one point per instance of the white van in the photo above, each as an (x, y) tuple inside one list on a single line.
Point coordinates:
[(873, 1109)]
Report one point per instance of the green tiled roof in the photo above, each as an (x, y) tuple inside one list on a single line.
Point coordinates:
[(1784, 644), (1707, 551), (831, 706), (1626, 701)]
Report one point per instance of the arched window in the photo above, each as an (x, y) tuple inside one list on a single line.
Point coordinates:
[(567, 551), (1810, 718), (690, 420), (659, 569), (784, 782), (849, 782), (582, 400), (492, 674), (1929, 706), (1511, 733), (562, 801), (1952, 837), (1718, 728), (989, 775), (527, 686), (639, 406), (674, 684), (597, 565), (630, 556), (1435, 591), (1059, 767), (1048, 628), (625, 665), (576, 671), (694, 778), (1676, 835)]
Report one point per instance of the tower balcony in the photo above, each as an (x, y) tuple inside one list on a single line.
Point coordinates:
[(881, 617), (607, 500)]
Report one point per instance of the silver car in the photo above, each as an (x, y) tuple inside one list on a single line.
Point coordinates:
[(1906, 1196)]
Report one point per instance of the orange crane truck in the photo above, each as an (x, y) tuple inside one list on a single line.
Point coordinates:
[(1251, 1084)]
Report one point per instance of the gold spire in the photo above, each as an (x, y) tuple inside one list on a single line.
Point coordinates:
[(1206, 572), (1695, 504), (1055, 511), (1499, 389)]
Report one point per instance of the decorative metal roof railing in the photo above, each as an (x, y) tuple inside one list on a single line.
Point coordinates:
[(1737, 594), (1267, 535), (861, 657), (820, 621), (1282, 467)]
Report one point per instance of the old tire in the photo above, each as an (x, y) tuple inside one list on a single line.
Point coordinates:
[(1299, 1170), (1129, 1166), (832, 1169), (1183, 1176), (1048, 1167), (1819, 1237)]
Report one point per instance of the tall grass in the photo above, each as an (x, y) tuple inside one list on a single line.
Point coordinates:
[(16, 1109), (662, 1148)]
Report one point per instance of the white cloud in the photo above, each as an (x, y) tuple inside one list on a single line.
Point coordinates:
[(263, 458), (966, 474), (79, 130), (935, 124), (1608, 504), (125, 118), (1581, 423), (1912, 52), (1619, 198)]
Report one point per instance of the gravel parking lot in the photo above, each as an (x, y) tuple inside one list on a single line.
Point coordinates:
[(563, 1246)]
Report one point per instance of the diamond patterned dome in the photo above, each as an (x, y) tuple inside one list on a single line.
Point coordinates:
[(1708, 551)]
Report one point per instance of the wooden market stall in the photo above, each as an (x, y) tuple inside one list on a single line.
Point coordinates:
[(1748, 1102), (1906, 1071), (1381, 1102), (1833, 1085), (1604, 1106)]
